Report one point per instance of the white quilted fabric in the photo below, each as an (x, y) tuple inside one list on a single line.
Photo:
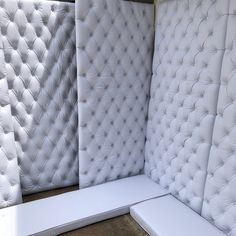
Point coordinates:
[(39, 45), (188, 54), (10, 193), (114, 52), (220, 193)]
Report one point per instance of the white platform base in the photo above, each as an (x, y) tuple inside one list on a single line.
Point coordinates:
[(65, 212), (166, 216)]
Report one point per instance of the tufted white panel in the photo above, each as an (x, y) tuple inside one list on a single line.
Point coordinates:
[(186, 75), (10, 193), (114, 51), (39, 45), (220, 191)]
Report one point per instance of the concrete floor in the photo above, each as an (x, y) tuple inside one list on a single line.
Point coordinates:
[(119, 226)]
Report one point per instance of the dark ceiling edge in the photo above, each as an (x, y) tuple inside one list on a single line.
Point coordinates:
[(141, 1), (65, 1)]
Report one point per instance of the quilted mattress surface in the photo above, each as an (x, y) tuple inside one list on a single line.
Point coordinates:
[(183, 138), (39, 48), (220, 191), (190, 146), (114, 55), (10, 191), (189, 48)]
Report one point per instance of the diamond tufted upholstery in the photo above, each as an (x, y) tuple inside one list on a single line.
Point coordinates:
[(186, 74), (191, 127), (114, 45), (220, 192), (39, 47), (10, 192)]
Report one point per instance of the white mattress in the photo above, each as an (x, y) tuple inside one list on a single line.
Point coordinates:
[(219, 205), (114, 58), (72, 210), (10, 191), (39, 49), (166, 216), (184, 89)]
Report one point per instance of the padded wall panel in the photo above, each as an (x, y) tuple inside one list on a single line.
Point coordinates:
[(10, 192), (186, 75), (39, 45), (220, 192), (114, 51)]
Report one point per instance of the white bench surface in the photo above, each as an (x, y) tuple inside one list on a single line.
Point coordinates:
[(76, 209), (166, 216)]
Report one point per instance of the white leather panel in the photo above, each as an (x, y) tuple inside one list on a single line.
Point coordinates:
[(114, 52), (10, 192), (39, 45), (166, 216), (220, 193), (186, 75), (69, 211)]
